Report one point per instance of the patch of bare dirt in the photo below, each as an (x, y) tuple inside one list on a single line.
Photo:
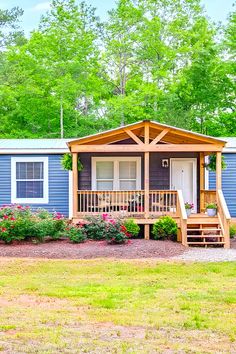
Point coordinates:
[(63, 249)]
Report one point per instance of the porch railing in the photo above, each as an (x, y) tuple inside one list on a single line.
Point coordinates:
[(206, 197), (127, 203)]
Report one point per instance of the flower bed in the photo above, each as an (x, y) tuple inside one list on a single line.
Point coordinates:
[(21, 223), (18, 223)]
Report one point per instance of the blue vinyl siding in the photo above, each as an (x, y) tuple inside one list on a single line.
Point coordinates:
[(58, 184), (228, 182)]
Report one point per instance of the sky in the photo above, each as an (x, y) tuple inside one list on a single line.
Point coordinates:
[(218, 10)]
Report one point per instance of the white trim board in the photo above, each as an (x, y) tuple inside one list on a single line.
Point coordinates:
[(194, 161), (33, 151), (70, 194), (116, 160), (45, 198)]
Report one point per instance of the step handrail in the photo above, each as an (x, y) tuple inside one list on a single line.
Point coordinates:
[(224, 217), (182, 210), (182, 217)]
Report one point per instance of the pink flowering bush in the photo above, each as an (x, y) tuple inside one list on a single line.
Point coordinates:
[(21, 223), (104, 227)]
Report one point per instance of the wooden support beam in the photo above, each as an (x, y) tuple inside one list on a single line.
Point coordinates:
[(147, 147), (146, 133), (146, 184), (202, 180), (147, 231), (133, 136), (159, 136), (218, 171), (75, 183)]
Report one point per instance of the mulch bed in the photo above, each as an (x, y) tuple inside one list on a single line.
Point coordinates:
[(63, 249)]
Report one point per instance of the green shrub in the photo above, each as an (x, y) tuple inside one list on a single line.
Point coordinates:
[(76, 234), (96, 227), (20, 223), (165, 227), (232, 230), (116, 232), (132, 228), (104, 227)]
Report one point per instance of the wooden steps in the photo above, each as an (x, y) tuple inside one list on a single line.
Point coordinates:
[(204, 231)]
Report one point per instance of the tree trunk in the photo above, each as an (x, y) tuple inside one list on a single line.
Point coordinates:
[(61, 119)]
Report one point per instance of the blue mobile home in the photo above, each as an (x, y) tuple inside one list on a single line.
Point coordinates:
[(31, 173), (228, 176)]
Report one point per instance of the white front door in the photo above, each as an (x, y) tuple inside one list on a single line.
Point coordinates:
[(183, 177)]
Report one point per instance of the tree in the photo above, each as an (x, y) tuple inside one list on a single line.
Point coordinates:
[(55, 72), (9, 26)]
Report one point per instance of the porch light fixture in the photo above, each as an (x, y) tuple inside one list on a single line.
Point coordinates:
[(165, 163)]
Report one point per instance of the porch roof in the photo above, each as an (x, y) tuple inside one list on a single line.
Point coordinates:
[(157, 136)]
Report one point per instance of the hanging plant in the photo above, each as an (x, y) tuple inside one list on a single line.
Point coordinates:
[(66, 162), (211, 164)]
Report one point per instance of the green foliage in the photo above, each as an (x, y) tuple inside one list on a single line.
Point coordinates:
[(76, 234), (66, 162), (9, 26), (211, 206), (103, 227), (160, 60), (165, 227), (116, 232), (232, 230), (96, 228), (21, 223), (211, 165), (132, 227)]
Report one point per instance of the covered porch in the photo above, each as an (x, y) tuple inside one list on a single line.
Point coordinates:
[(161, 158)]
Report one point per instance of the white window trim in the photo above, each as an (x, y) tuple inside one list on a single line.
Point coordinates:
[(116, 160), (14, 199)]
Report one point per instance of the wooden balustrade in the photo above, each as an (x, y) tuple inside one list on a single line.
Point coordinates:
[(124, 203), (207, 197), (224, 217), (163, 202), (127, 203)]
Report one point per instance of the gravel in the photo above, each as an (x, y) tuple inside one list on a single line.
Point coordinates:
[(207, 255)]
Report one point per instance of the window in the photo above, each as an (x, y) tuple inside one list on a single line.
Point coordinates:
[(29, 178), (116, 173)]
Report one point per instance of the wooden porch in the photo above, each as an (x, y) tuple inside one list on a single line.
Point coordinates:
[(146, 205)]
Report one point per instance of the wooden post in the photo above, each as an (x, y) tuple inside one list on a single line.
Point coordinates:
[(146, 181), (75, 183), (202, 182), (147, 231), (218, 171), (146, 184), (146, 172)]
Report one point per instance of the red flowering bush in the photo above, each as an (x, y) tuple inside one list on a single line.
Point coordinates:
[(20, 223), (116, 232), (103, 226)]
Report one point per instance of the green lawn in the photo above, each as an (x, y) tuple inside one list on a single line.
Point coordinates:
[(105, 306)]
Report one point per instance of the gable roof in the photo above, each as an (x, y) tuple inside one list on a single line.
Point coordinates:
[(174, 135)]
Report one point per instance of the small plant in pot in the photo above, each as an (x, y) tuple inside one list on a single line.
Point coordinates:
[(189, 207), (211, 209)]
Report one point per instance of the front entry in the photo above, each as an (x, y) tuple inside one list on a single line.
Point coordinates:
[(183, 176)]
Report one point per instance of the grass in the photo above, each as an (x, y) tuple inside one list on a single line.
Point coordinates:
[(105, 306)]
